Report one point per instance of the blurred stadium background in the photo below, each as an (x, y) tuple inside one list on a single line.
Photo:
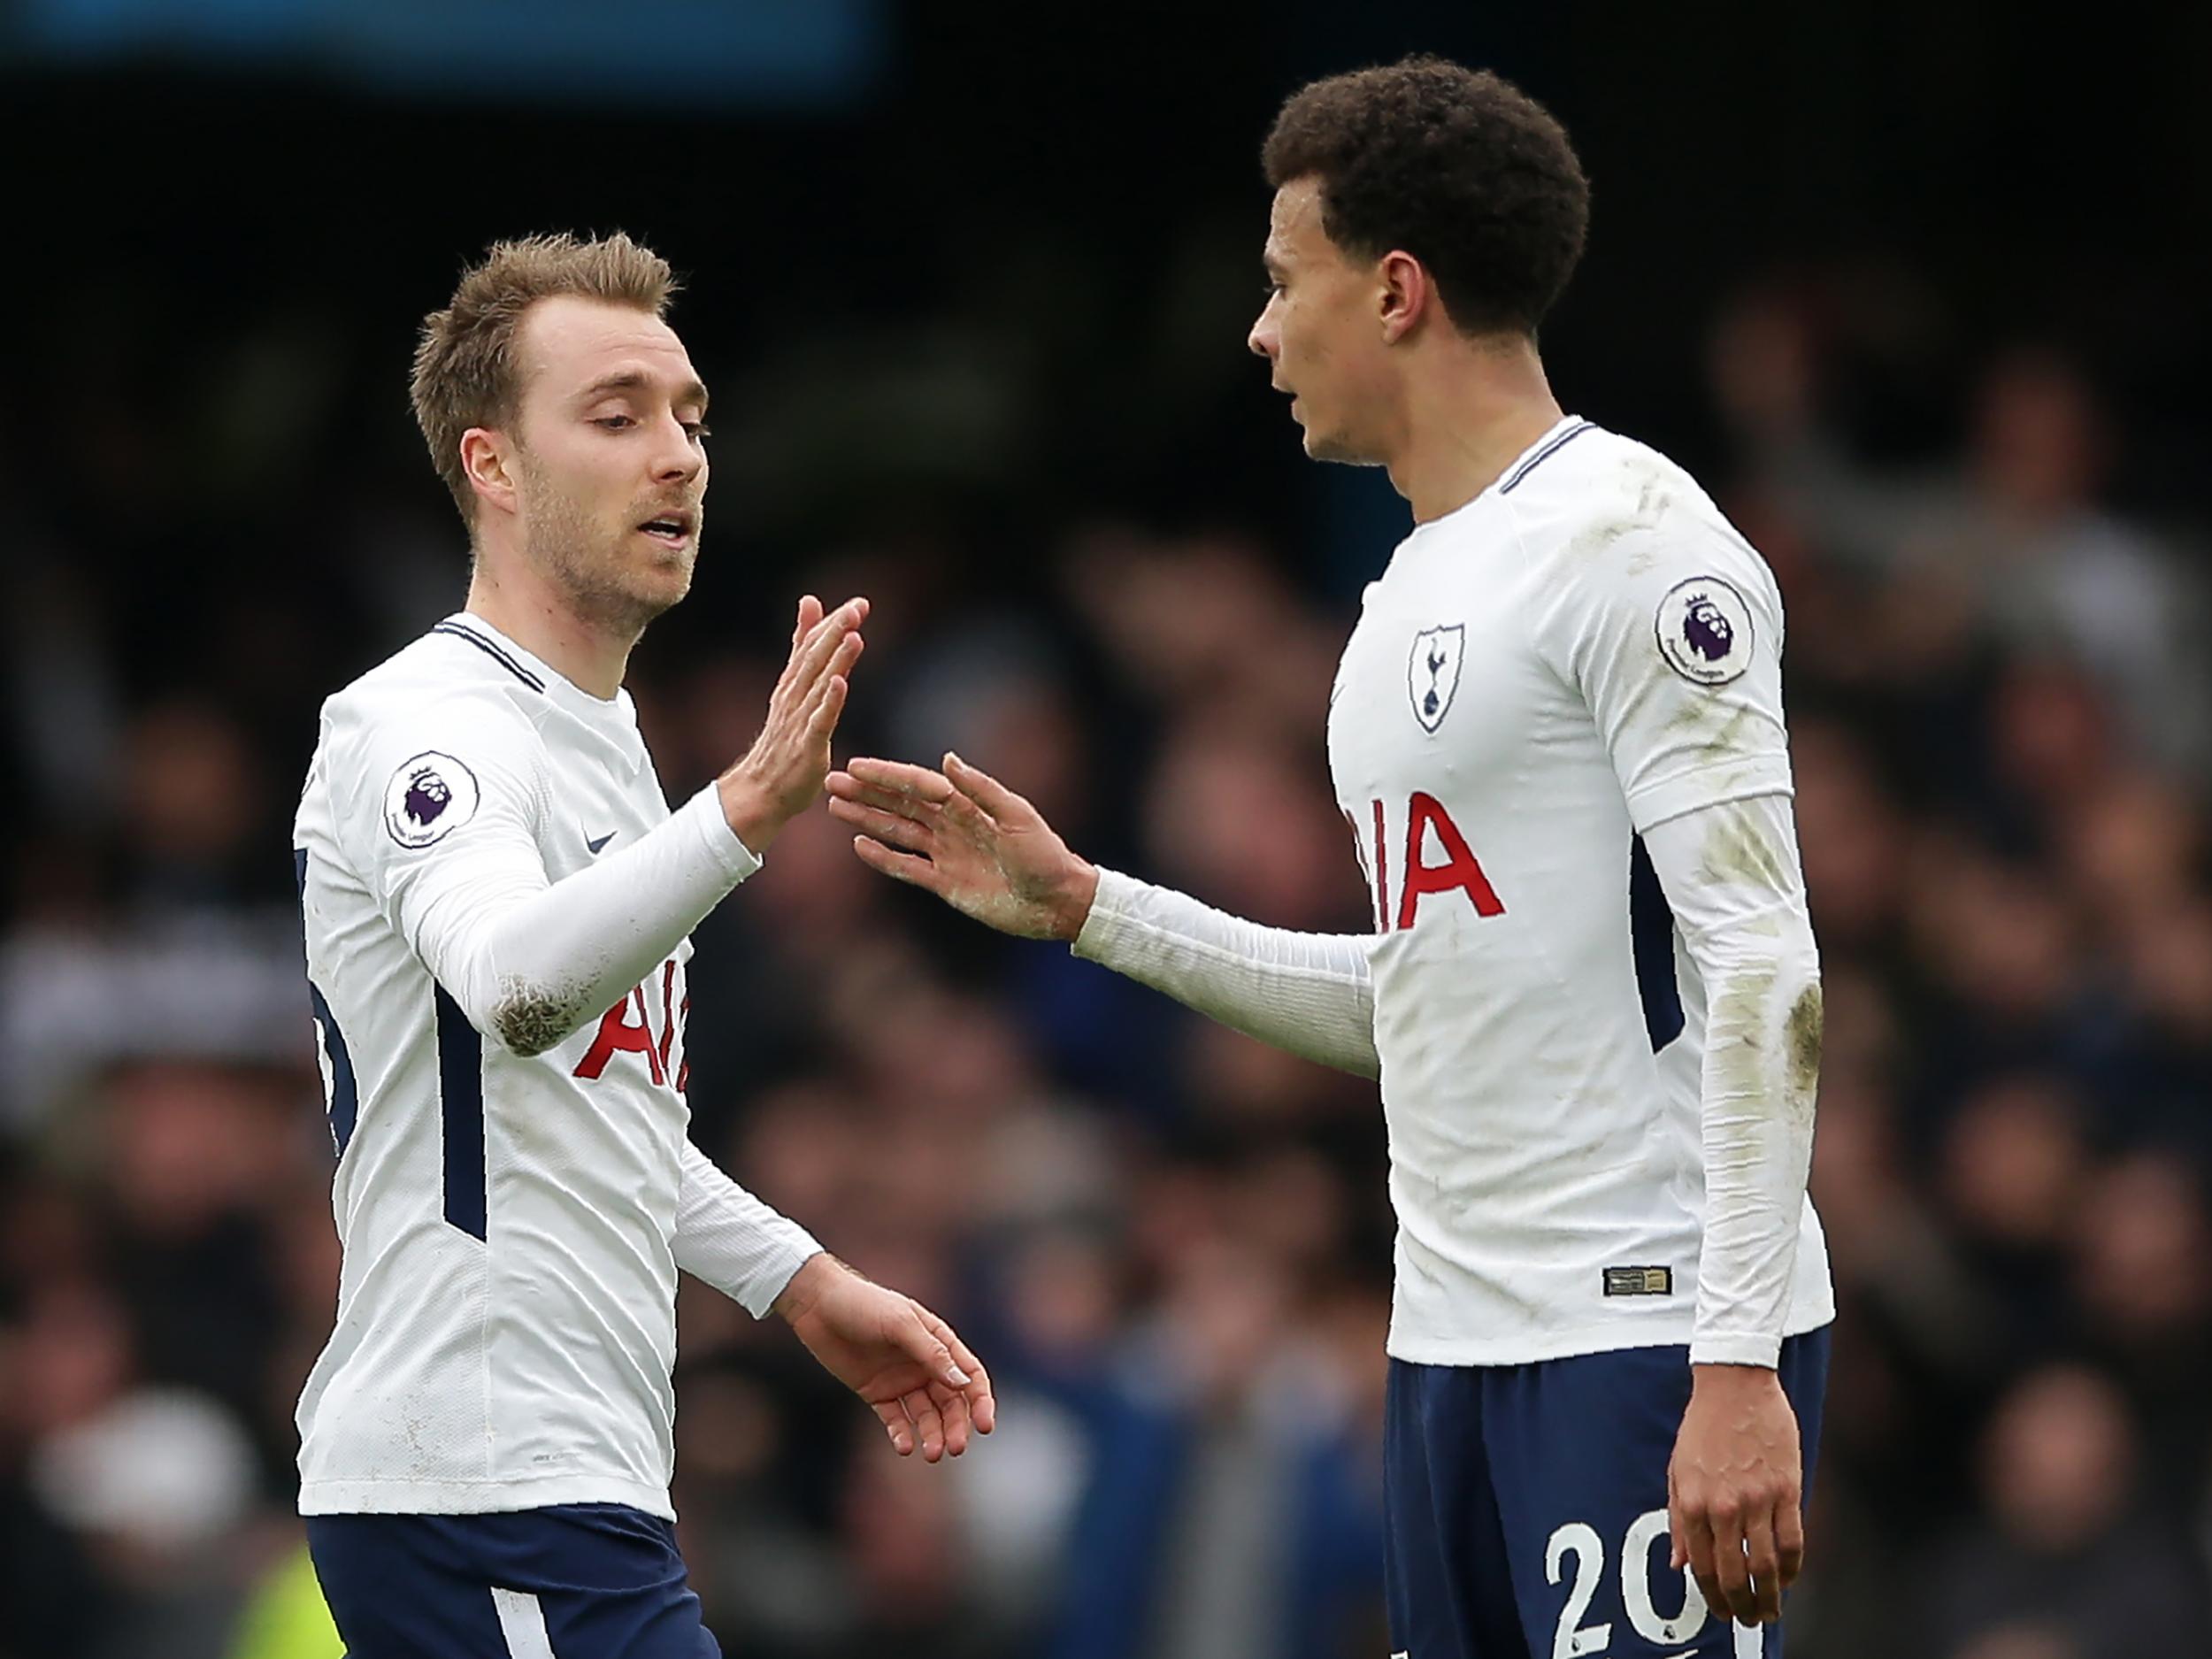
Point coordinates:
[(1919, 290)]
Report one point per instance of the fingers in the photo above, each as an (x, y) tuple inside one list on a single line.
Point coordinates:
[(809, 613), (922, 1410), (811, 651), (984, 790), (1695, 1545), (887, 827), (952, 1405), (1732, 1571), (813, 657), (829, 704), (917, 793), (923, 1344), (826, 701), (905, 867), (1762, 1560), (809, 626), (976, 1389), (897, 1425), (844, 787), (1789, 1538), (897, 778)]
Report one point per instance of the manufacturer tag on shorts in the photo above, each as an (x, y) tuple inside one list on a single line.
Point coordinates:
[(1640, 1281)]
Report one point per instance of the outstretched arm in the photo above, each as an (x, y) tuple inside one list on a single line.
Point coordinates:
[(531, 960), (964, 836)]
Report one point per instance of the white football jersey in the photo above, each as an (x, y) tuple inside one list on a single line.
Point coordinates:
[(1584, 650), (512, 1220)]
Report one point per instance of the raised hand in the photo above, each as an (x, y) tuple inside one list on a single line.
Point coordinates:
[(782, 772), (966, 837), (924, 1383)]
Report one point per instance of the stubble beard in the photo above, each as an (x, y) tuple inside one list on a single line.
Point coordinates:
[(593, 569), (1339, 449)]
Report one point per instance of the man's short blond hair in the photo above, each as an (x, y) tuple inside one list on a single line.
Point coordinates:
[(466, 373)]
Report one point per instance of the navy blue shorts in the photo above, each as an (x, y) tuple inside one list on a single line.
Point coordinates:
[(1526, 1508), (574, 1582)]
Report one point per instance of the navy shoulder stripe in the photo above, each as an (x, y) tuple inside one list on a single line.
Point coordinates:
[(1534, 461), (492, 650)]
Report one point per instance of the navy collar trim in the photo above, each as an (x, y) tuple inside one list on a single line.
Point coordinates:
[(491, 649), (1514, 478)]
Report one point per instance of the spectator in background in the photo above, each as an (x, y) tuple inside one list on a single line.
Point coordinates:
[(2014, 536), (1232, 1512), (2067, 1546)]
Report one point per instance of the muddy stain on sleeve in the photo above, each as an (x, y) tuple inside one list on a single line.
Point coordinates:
[(1801, 1046)]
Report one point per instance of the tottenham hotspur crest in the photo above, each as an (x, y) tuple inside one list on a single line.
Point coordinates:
[(1433, 671)]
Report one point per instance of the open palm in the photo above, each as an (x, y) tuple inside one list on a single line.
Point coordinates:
[(965, 837)]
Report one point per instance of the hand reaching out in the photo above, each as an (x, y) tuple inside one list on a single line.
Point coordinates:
[(966, 837), (782, 772)]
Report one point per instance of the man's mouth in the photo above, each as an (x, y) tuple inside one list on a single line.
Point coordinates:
[(673, 529)]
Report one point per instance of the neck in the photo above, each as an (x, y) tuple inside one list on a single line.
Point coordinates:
[(515, 597), (1470, 410)]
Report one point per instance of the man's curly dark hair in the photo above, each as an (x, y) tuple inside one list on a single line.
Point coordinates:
[(1458, 167)]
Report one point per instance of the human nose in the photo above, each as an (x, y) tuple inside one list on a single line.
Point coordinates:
[(1266, 338), (677, 456)]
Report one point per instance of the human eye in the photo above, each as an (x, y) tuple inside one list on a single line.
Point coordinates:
[(614, 423), (697, 430)]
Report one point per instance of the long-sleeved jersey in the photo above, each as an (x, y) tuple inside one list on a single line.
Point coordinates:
[(497, 902), (1559, 710)]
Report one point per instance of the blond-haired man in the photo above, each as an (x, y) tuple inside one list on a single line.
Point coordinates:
[(497, 903)]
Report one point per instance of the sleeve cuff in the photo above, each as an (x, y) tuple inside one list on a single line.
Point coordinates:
[(1734, 778), (1108, 905), (735, 859), (1736, 1350), (790, 1253)]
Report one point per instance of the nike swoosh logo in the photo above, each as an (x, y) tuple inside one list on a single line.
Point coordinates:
[(602, 841)]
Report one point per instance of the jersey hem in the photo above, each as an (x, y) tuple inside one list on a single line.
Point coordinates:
[(478, 1497), (1606, 1339)]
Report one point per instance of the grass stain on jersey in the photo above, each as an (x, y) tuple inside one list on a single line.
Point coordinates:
[(1801, 1042), (531, 1021), (1652, 503), (1734, 851), (1719, 728)]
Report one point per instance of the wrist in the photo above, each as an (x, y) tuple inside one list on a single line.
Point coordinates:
[(747, 807), (1078, 893), (1731, 1376), (805, 1288)]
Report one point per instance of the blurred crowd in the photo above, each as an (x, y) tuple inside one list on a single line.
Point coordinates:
[(1169, 1243)]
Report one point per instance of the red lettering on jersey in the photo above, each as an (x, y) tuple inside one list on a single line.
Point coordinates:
[(683, 1074), (618, 1035), (1425, 812), (668, 1014)]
